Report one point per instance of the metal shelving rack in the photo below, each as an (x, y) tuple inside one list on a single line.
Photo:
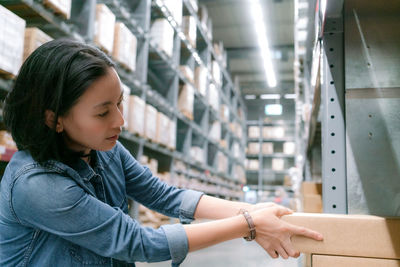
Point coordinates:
[(154, 70), (267, 177)]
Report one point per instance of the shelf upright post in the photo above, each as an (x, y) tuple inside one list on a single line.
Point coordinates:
[(260, 160), (333, 119)]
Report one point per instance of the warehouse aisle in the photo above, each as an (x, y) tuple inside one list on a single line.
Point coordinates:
[(235, 253)]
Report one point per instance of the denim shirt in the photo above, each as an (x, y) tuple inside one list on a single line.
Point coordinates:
[(59, 215)]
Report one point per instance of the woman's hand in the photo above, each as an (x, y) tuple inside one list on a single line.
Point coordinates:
[(273, 234)]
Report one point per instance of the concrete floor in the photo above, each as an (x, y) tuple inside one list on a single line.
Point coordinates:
[(235, 253)]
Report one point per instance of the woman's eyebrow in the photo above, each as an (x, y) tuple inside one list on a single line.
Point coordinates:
[(107, 102)]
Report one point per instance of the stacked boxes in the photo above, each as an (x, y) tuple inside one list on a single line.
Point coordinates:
[(273, 132), (239, 174), (62, 7), (200, 79), (136, 115), (126, 91), (289, 148), (215, 131), (253, 148), (253, 164), (222, 162), (187, 72), (312, 197), (213, 97), (267, 148), (104, 28), (216, 72), (254, 132), (224, 113), (125, 46), (172, 135), (150, 127), (197, 153), (349, 240), (236, 150), (189, 29), (12, 33), (278, 164), (185, 100), (163, 123), (33, 39), (162, 34)]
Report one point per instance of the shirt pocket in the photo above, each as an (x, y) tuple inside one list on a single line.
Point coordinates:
[(84, 257)]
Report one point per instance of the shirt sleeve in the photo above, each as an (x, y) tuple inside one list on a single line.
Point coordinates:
[(59, 206), (145, 188)]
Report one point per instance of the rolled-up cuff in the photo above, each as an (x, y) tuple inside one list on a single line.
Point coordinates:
[(189, 205), (177, 242)]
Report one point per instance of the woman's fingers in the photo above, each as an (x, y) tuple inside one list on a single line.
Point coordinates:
[(281, 211), (282, 252), (272, 253), (288, 247), (296, 230)]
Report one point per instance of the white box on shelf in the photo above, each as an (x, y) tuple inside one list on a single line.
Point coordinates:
[(175, 8), (162, 128), (267, 148), (253, 164), (213, 97), (104, 28), (216, 72), (150, 122), (254, 132), (189, 29), (162, 35), (289, 148), (172, 135), (34, 38), (12, 34), (215, 131), (136, 115), (197, 153), (224, 113), (125, 46), (187, 72), (278, 164), (200, 79), (126, 91), (253, 148), (186, 100), (62, 7)]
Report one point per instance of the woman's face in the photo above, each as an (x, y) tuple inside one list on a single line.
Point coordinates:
[(95, 121)]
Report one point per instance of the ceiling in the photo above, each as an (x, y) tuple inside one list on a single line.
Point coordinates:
[(233, 26)]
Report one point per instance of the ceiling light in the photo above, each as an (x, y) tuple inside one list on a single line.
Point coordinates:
[(273, 109), (261, 33), (250, 96), (290, 96), (270, 96)]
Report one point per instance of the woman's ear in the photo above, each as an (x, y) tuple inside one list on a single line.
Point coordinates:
[(49, 120)]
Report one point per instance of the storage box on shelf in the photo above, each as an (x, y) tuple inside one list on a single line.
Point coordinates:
[(215, 131), (136, 117), (125, 46), (311, 196), (274, 132), (150, 126), (289, 148), (175, 8), (213, 97), (254, 132), (34, 38), (236, 152), (61, 7), (267, 148), (200, 79), (187, 73), (172, 135), (189, 29), (278, 164), (162, 35), (222, 162), (197, 153), (216, 72), (126, 91), (253, 164), (12, 33), (185, 100), (224, 113), (253, 148), (104, 28), (163, 123)]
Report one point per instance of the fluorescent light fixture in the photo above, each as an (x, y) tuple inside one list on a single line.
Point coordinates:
[(273, 109), (290, 96), (302, 23), (270, 96), (261, 33), (302, 35), (250, 97), (303, 5)]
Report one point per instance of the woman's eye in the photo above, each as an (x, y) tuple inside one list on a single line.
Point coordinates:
[(103, 114)]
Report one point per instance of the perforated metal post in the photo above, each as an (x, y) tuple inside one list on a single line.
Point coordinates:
[(334, 190)]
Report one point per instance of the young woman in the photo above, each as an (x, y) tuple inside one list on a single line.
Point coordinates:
[(63, 196)]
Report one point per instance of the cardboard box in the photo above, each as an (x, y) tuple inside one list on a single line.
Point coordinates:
[(236, 150), (172, 135), (289, 148), (200, 79), (253, 148), (311, 188), (335, 261), (197, 153), (150, 123), (253, 164), (189, 29), (222, 162), (213, 97), (162, 36), (312, 203), (254, 132), (267, 148), (62, 7), (33, 39), (125, 104), (349, 235), (12, 34), (136, 115), (125, 46), (216, 72), (278, 164), (215, 131), (104, 28), (274, 132), (187, 72), (162, 128), (185, 100)]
